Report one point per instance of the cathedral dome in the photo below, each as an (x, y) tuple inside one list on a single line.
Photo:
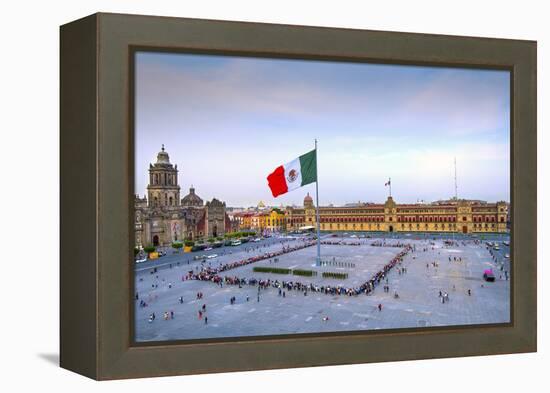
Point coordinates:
[(191, 199), (308, 199), (163, 157)]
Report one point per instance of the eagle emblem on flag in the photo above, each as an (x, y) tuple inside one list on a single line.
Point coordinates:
[(292, 175)]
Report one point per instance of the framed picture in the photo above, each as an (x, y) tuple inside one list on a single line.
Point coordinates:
[(242, 196)]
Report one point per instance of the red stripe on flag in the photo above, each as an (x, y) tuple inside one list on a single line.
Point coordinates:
[(276, 181)]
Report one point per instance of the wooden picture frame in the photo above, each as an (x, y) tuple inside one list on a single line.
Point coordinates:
[(97, 149)]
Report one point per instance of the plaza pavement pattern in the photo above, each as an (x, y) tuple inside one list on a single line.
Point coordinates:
[(418, 305)]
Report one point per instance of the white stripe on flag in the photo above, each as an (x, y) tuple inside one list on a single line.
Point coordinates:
[(293, 174)]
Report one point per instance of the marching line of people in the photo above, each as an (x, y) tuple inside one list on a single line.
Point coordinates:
[(208, 274)]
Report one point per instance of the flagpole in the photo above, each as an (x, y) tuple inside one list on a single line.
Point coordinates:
[(318, 261), (390, 186)]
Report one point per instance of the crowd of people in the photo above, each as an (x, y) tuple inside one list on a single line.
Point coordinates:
[(336, 263), (207, 273), (340, 243), (380, 243), (212, 275)]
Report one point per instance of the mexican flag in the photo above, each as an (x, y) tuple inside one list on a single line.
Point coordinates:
[(296, 173)]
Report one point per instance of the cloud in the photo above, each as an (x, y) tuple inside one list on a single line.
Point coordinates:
[(463, 103)]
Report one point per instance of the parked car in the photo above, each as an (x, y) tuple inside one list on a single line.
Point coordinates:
[(198, 247)]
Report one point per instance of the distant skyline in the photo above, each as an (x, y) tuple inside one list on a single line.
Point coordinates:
[(227, 122)]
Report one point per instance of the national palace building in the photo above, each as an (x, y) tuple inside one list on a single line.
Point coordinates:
[(462, 216)]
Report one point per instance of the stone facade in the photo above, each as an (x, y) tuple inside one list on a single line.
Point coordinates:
[(162, 217), (215, 218)]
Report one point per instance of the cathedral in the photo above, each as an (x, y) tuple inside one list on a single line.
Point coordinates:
[(162, 218)]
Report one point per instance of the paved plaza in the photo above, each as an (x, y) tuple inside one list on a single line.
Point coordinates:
[(418, 280)]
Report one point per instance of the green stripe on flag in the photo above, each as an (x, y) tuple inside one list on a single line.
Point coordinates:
[(308, 166)]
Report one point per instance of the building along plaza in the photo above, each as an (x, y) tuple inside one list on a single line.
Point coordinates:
[(438, 282)]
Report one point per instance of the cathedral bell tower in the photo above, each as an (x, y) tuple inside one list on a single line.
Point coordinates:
[(163, 189)]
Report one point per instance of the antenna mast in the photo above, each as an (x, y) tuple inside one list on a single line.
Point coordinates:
[(456, 186)]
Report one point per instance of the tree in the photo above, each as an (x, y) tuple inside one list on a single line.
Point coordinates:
[(149, 249), (177, 245)]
